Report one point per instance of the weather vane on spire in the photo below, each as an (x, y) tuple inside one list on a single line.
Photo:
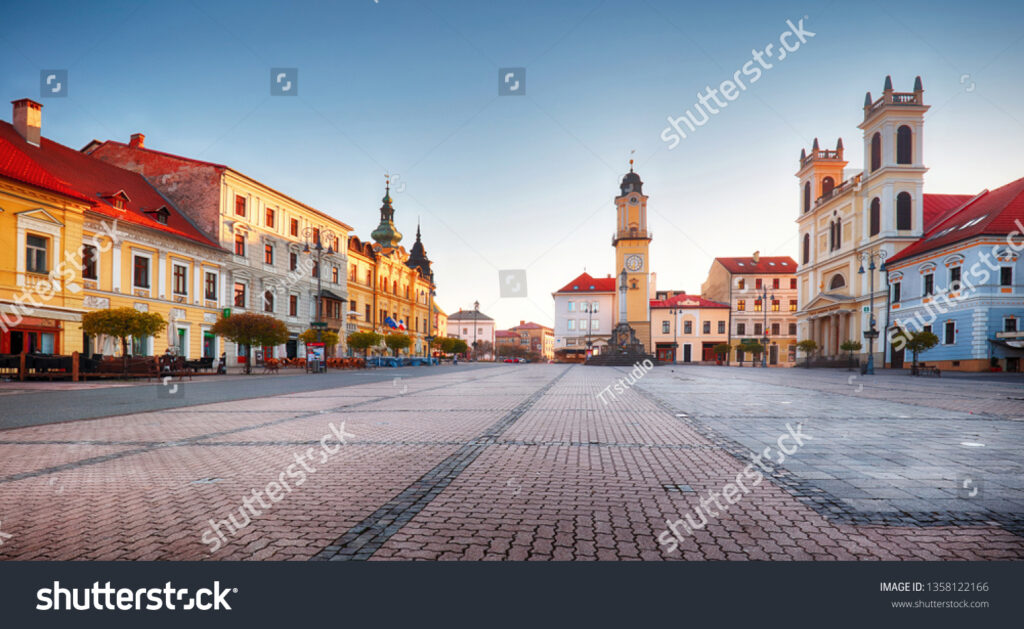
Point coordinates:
[(631, 160)]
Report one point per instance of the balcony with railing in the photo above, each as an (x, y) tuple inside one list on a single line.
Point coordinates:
[(893, 98), (838, 190), (623, 234)]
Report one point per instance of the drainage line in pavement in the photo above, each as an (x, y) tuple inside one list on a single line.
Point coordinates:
[(365, 538)]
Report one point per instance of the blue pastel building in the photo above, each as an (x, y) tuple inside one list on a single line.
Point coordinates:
[(963, 280)]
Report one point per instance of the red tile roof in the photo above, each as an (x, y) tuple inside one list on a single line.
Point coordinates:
[(765, 264), (529, 325), (682, 300), (585, 283), (59, 168), (993, 212), (937, 206), (506, 334)]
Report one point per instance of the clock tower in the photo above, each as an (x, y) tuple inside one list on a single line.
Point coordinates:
[(632, 243)]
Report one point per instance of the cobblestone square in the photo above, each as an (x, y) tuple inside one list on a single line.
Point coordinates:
[(528, 462)]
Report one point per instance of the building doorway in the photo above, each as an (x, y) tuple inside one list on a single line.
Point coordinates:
[(773, 354), (291, 348), (896, 357), (686, 353)]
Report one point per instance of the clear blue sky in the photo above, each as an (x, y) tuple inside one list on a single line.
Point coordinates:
[(527, 182)]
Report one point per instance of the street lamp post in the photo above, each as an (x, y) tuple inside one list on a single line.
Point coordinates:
[(764, 325), (476, 311), (318, 247), (872, 332), (589, 309), (675, 333)]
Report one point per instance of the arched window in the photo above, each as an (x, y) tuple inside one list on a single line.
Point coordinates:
[(837, 282), (876, 217), (904, 145), (876, 152), (807, 197), (807, 248), (903, 211), (827, 184)]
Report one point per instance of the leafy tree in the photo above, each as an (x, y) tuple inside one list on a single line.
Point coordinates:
[(452, 345), (808, 347), (397, 341), (122, 323), (364, 341), (920, 342), (250, 328), (329, 338), (722, 351), (754, 348), (851, 347)]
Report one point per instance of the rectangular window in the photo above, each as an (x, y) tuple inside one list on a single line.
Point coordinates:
[(334, 276), (571, 325), (792, 329), (792, 305), (741, 328), (180, 279), (757, 283), (294, 230), (583, 324), (926, 328), (368, 313), (316, 235), (775, 305), (316, 269), (268, 301), (897, 290), (239, 205), (572, 306), (687, 327), (240, 245), (721, 327), (792, 283), (757, 329), (141, 272), (239, 295), (950, 333), (268, 254), (776, 329), (665, 327), (706, 327), (741, 284), (293, 261), (595, 325), (36, 248), (270, 218), (1006, 276), (211, 285), (594, 306), (954, 278), (741, 304), (775, 282), (1010, 324), (757, 305), (929, 284), (89, 262)]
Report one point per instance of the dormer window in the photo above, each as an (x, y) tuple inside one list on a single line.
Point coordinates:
[(159, 215), (117, 199)]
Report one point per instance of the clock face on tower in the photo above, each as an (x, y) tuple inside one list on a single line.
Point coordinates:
[(634, 262)]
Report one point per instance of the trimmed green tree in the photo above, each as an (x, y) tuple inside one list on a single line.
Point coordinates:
[(123, 323), (920, 342), (851, 346), (250, 328), (808, 347), (364, 341), (756, 349), (329, 338), (397, 342), (722, 351)]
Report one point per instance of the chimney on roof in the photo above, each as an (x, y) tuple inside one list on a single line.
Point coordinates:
[(138, 141), (521, 322), (756, 257), (27, 119)]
